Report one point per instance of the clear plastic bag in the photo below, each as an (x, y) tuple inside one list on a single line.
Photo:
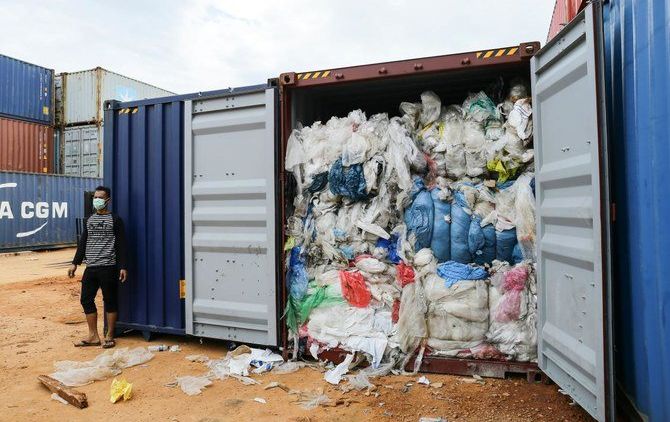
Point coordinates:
[(431, 107), (475, 153), (105, 365), (354, 150), (525, 217), (192, 385)]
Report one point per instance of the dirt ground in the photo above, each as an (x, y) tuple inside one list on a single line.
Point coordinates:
[(41, 318)]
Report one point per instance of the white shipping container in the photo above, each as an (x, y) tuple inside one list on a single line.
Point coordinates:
[(83, 151), (80, 95)]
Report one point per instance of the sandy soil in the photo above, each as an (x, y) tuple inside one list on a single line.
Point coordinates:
[(42, 318), (27, 266)]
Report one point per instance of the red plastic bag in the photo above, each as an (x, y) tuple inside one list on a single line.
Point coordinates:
[(354, 289), (404, 274), (395, 314)]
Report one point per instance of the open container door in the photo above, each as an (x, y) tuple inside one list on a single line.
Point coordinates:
[(229, 170), (574, 341)]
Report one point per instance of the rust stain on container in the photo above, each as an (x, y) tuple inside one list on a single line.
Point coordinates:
[(26, 146)]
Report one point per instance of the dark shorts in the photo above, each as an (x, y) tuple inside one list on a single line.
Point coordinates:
[(105, 279)]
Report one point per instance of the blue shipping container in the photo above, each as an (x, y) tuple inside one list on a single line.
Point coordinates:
[(38, 211), (143, 166), (637, 69), (143, 161), (26, 91)]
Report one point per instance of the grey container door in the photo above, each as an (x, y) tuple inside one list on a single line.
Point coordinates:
[(91, 146), (72, 155), (229, 168), (574, 342)]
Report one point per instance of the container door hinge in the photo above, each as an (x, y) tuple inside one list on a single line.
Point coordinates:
[(182, 289)]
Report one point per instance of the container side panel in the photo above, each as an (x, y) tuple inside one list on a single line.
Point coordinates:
[(571, 277), (40, 211), (80, 103), (637, 68), (26, 91), (26, 146), (122, 88), (143, 155), (233, 218)]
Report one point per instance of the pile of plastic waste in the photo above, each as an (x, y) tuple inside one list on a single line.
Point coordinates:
[(415, 232)]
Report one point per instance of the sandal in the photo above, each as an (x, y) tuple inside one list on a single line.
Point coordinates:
[(86, 343), (108, 344)]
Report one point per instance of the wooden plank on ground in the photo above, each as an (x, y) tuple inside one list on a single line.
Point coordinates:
[(74, 397)]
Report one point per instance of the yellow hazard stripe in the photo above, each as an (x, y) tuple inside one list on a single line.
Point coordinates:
[(313, 75), (496, 53)]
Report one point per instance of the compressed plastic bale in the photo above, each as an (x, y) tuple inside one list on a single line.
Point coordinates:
[(482, 241), (441, 237), (461, 216), (401, 152), (430, 108), (444, 326), (405, 274), (423, 257), (505, 243), (525, 217), (519, 118), (354, 150), (411, 325), (480, 108), (347, 181), (450, 348), (475, 153), (370, 265), (419, 216), (467, 299)]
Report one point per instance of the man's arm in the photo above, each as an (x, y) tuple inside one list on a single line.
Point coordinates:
[(81, 246)]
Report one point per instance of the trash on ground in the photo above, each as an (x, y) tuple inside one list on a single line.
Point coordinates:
[(158, 348), (174, 348), (288, 367), (423, 380), (436, 384), (312, 399), (191, 385), (58, 398), (260, 400), (74, 397), (120, 389), (106, 365), (334, 376), (275, 384), (429, 419)]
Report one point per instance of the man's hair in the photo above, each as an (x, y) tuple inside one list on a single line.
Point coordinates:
[(105, 189)]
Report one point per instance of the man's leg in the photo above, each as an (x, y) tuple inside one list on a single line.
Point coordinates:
[(109, 285), (89, 288)]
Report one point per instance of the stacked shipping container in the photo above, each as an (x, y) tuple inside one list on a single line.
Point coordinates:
[(26, 122), (79, 115)]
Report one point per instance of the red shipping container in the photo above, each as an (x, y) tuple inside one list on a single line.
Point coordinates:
[(26, 146), (564, 11)]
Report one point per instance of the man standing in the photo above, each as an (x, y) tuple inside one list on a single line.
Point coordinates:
[(103, 247)]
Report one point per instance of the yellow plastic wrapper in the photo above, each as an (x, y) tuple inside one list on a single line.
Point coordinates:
[(120, 388)]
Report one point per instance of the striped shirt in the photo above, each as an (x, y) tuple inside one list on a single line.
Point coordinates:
[(100, 250)]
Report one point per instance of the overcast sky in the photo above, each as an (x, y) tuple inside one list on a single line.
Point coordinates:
[(189, 46)]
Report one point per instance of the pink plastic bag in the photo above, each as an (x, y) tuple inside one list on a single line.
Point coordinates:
[(509, 307), (354, 289)]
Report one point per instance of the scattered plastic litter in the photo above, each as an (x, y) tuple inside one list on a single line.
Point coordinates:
[(260, 400), (107, 364), (58, 398), (120, 389), (423, 380), (158, 348), (192, 385), (197, 358), (175, 348), (334, 376)]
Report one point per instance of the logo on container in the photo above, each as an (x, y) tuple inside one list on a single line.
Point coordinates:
[(29, 210)]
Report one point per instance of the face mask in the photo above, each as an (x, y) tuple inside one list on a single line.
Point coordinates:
[(99, 203)]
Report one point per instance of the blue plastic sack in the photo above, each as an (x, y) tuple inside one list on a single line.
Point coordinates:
[(517, 254), (419, 216), (482, 241), (391, 245), (347, 181), (460, 228), (441, 239), (453, 272), (297, 277), (505, 243)]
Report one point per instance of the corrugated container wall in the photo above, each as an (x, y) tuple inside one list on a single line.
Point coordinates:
[(144, 168), (83, 93), (564, 11), (26, 91), (81, 150), (638, 78), (40, 211), (26, 146)]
